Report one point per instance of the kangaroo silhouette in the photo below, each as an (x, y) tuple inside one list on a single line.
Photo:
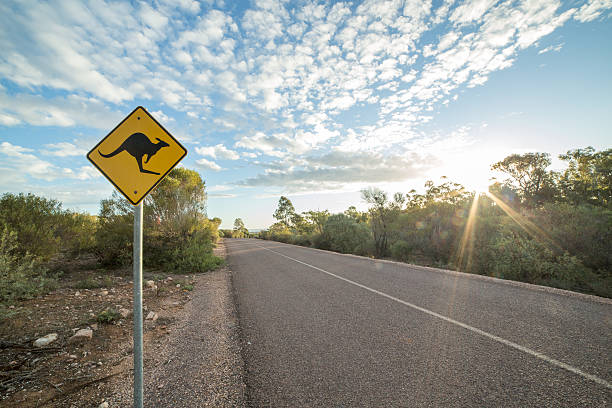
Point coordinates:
[(138, 145)]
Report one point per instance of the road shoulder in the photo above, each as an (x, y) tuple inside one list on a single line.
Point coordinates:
[(199, 363)]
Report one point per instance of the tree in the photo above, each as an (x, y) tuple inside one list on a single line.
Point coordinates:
[(240, 231), (285, 211), (588, 177), (177, 233), (177, 204), (317, 219), (382, 211), (528, 175), (355, 214)]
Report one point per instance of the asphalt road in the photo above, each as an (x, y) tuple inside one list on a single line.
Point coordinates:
[(321, 329)]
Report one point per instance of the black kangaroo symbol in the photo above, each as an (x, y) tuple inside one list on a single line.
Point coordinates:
[(138, 145)]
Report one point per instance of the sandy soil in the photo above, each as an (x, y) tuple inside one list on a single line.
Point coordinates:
[(191, 358)]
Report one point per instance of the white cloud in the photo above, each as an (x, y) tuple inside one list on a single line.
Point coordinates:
[(593, 9), (555, 48), (21, 161), (471, 10), (60, 111), (208, 165), (63, 149), (218, 151), (336, 169), (8, 120)]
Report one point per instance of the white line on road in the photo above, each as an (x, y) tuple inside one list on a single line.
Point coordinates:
[(460, 324)]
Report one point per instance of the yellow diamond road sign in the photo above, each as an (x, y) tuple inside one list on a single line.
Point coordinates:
[(137, 154)]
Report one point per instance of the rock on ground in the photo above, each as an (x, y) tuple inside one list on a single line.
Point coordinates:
[(81, 336), (43, 341)]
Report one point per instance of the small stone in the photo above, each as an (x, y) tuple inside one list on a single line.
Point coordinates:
[(150, 284), (11, 306), (43, 341), (72, 356), (124, 312), (103, 405), (94, 326), (104, 292), (77, 293), (81, 336), (169, 278), (152, 316), (178, 285)]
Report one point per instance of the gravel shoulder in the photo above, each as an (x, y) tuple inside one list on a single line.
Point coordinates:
[(199, 363)]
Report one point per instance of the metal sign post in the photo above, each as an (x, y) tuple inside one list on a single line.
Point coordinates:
[(138, 305), (121, 157)]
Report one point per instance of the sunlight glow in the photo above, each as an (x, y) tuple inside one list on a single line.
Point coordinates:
[(467, 239), (529, 227)]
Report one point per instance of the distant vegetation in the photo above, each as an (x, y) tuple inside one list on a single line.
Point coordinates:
[(538, 226), (178, 237)]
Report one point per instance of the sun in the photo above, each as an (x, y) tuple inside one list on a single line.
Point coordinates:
[(477, 180)]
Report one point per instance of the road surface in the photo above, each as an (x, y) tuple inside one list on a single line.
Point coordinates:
[(322, 329)]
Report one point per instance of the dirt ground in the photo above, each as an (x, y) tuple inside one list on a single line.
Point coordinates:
[(97, 371)]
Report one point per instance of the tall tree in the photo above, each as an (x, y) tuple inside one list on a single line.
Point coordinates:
[(239, 231), (382, 211), (528, 175), (588, 177), (317, 219), (285, 212), (177, 203)]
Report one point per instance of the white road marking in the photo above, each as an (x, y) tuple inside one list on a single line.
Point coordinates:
[(508, 343)]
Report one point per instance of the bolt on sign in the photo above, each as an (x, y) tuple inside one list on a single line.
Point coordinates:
[(136, 155)]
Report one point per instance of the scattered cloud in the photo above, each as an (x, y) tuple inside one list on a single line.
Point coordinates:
[(592, 10), (336, 169), (22, 161), (218, 151), (208, 165), (63, 149), (316, 95), (555, 48)]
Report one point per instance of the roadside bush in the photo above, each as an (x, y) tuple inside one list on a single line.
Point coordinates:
[(401, 251), (34, 220), (526, 260), (21, 276), (343, 234), (108, 316), (43, 229), (193, 256), (115, 232), (303, 240)]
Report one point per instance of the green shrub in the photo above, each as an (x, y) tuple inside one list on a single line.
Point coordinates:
[(88, 283), (34, 221), (343, 234), (115, 232), (401, 251), (303, 240), (108, 316), (527, 260), (195, 255), (21, 276)]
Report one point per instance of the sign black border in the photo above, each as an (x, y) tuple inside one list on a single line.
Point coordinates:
[(160, 179)]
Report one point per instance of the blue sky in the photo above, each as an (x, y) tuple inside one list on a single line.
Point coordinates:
[(312, 100)]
